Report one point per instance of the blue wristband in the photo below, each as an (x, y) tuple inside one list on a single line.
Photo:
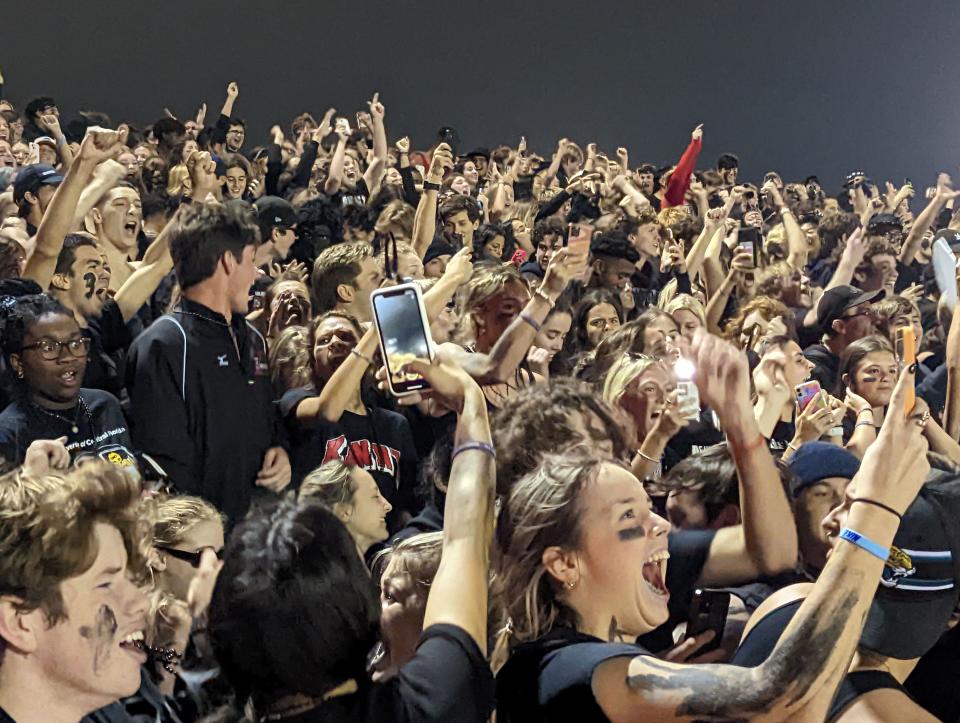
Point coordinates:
[(865, 543)]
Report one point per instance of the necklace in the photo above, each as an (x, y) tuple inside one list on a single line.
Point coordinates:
[(229, 328), (74, 427)]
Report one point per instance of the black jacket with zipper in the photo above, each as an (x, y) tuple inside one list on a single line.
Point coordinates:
[(201, 404)]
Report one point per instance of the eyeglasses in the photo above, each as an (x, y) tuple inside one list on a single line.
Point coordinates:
[(192, 557), (865, 312), (50, 349)]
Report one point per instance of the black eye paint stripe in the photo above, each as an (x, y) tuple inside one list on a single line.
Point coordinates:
[(631, 533)]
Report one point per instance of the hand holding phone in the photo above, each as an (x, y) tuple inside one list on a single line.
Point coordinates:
[(404, 332), (906, 347), (806, 393), (708, 611)]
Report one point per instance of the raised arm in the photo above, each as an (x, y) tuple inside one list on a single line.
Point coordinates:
[(98, 145), (766, 542), (680, 178), (853, 252), (51, 124), (458, 272), (797, 247), (458, 594), (425, 220), (798, 679), (233, 90), (512, 347), (335, 173), (156, 263), (336, 394), (373, 176), (926, 218)]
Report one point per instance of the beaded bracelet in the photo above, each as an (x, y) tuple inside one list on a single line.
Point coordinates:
[(478, 446), (530, 320), (865, 543), (169, 658), (865, 424)]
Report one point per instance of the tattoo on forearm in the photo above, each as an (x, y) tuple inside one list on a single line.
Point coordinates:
[(728, 692)]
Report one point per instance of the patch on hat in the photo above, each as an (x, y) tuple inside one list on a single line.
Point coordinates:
[(899, 568)]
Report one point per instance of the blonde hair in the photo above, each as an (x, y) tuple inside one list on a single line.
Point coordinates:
[(544, 510), (487, 281), (623, 371), (174, 517), (178, 180), (669, 216), (418, 556), (290, 361), (329, 484), (397, 214), (689, 303)]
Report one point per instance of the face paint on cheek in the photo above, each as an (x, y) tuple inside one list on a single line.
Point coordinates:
[(631, 533), (89, 283), (101, 635)]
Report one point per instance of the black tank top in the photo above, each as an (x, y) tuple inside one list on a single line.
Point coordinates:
[(763, 637)]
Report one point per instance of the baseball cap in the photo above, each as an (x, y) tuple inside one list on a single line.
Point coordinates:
[(884, 222), (30, 178), (815, 461), (482, 152), (918, 587), (839, 299), (950, 236), (275, 212)]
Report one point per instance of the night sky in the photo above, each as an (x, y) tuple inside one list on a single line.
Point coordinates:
[(815, 87)]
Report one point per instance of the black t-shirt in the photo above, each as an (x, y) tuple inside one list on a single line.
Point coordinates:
[(109, 338), (782, 434), (447, 679), (692, 439), (379, 442), (550, 679), (5, 718), (688, 554), (101, 429)]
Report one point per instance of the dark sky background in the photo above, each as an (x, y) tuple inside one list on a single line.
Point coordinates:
[(814, 86)]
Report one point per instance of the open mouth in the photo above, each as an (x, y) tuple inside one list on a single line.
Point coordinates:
[(135, 644), (70, 378), (131, 227), (655, 573)]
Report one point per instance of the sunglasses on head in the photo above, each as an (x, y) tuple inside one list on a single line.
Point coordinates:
[(192, 557)]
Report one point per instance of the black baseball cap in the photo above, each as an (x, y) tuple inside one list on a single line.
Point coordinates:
[(918, 589), (481, 152), (275, 212), (840, 299), (30, 178), (884, 222), (950, 236), (438, 247)]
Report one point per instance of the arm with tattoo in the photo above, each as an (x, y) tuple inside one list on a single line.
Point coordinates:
[(798, 680)]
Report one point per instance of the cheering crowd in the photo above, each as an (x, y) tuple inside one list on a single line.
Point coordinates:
[(688, 450)]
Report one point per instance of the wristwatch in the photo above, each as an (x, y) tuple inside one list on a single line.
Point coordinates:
[(430, 186)]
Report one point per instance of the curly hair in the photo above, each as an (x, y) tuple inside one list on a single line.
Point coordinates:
[(289, 361), (18, 315), (769, 309), (537, 421)]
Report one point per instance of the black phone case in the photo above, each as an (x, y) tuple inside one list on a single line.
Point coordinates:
[(708, 612)]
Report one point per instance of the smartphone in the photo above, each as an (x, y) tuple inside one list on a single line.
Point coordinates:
[(748, 239), (688, 397), (708, 612), (906, 348), (806, 393), (404, 332)]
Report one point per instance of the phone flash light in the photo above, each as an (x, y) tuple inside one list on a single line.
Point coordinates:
[(684, 369)]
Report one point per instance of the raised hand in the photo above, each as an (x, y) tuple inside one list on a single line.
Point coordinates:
[(46, 455), (856, 246), (697, 133), (233, 90), (623, 158), (460, 265), (101, 144), (203, 175), (376, 107), (403, 145), (565, 265), (52, 125), (201, 114), (201, 586), (722, 377), (815, 419), (449, 384), (440, 163), (276, 132), (769, 377)]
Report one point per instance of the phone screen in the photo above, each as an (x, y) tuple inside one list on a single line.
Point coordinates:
[(404, 336)]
